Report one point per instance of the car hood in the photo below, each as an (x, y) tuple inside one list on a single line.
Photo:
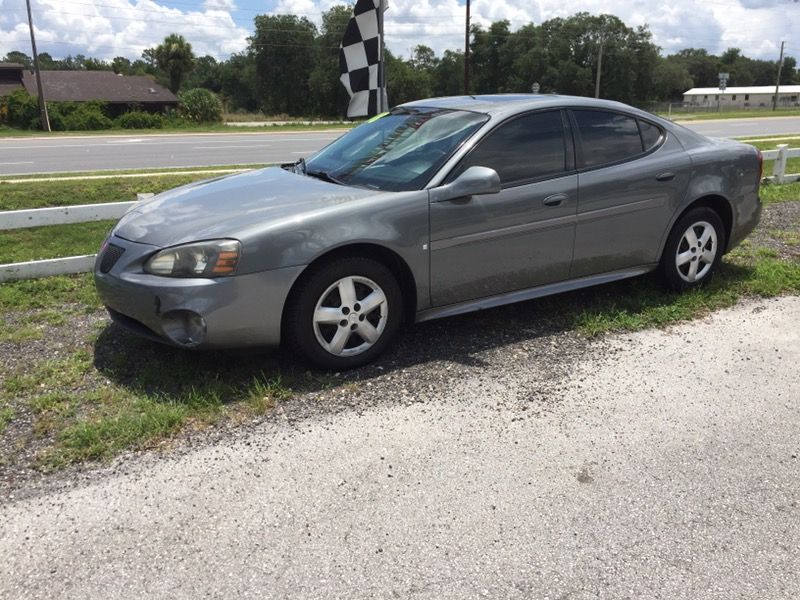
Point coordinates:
[(229, 206)]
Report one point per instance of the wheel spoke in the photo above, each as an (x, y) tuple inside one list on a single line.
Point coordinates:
[(373, 301), (339, 340), (347, 292), (368, 332), (692, 275), (325, 315), (708, 256), (707, 233), (683, 258), (691, 237)]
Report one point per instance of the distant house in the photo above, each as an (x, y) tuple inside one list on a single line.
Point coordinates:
[(758, 96), (118, 91)]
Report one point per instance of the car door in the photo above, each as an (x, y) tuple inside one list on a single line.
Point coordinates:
[(521, 237), (631, 178)]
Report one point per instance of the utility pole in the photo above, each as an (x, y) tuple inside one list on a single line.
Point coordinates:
[(383, 99), (466, 54), (599, 68), (42, 103), (778, 82)]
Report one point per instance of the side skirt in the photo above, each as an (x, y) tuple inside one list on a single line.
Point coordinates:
[(530, 293)]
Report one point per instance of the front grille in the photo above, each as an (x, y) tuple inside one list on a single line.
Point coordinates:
[(111, 255)]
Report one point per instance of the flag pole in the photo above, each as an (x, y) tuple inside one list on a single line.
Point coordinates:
[(382, 96)]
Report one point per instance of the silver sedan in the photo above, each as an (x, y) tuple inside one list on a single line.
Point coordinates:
[(436, 208)]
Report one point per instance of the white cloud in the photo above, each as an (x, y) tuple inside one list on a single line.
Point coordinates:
[(123, 28)]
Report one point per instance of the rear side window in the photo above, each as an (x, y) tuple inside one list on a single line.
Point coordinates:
[(607, 137), (650, 135), (529, 147)]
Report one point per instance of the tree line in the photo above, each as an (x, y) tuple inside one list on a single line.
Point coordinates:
[(291, 66)]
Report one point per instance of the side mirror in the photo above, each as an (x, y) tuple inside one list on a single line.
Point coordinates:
[(474, 181)]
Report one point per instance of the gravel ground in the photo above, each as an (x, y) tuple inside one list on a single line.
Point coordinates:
[(660, 464), (784, 217), (494, 345)]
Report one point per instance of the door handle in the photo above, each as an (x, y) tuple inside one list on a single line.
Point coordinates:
[(555, 200), (666, 176)]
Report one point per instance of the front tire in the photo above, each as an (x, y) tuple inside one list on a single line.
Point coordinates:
[(693, 250), (344, 313)]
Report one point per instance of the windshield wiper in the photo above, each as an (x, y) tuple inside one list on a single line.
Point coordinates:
[(324, 176)]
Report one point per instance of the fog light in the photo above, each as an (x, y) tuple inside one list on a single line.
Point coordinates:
[(184, 327)]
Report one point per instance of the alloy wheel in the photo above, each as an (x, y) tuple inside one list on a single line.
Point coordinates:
[(350, 316), (696, 251)]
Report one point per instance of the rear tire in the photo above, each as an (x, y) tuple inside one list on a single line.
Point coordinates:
[(344, 313), (693, 250)]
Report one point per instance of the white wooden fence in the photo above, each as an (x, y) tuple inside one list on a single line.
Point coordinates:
[(780, 156), (85, 213), (62, 215)]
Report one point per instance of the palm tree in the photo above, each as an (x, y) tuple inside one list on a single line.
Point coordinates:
[(174, 56)]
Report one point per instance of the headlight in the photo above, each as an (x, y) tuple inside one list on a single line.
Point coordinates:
[(216, 258)]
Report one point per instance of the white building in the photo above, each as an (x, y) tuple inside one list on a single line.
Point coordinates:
[(755, 96)]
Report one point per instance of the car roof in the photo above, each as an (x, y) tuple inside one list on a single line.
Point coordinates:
[(500, 106), (508, 104)]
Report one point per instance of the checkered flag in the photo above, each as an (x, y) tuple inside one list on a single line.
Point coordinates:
[(360, 57)]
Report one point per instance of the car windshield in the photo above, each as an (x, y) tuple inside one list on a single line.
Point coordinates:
[(398, 151)]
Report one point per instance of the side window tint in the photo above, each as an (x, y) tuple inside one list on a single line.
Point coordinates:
[(526, 148), (607, 137), (650, 134)]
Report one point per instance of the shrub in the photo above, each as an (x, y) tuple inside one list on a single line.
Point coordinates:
[(200, 106), (139, 119), (78, 116), (87, 118), (21, 110)]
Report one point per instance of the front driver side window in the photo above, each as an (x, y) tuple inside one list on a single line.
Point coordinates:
[(524, 149)]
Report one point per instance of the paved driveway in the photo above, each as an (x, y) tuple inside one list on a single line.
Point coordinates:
[(662, 464)]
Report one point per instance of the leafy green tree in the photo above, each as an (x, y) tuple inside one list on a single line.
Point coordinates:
[(670, 80), (702, 66), (790, 75), (448, 74), (404, 83), (174, 56), (205, 75), (487, 71), (15, 56), (121, 65), (200, 106), (327, 95), (283, 47), (237, 77)]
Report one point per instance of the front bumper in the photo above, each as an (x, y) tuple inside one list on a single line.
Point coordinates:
[(225, 312)]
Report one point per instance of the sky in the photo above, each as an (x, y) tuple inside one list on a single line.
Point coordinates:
[(108, 28)]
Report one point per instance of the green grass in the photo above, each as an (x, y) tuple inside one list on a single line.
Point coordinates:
[(53, 241), (772, 193), (87, 413), (8, 132), (746, 272), (7, 415), (108, 391), (48, 294), (18, 196), (143, 172)]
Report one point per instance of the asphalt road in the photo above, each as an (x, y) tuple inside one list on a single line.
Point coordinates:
[(82, 153), (661, 464), (93, 153), (746, 127)]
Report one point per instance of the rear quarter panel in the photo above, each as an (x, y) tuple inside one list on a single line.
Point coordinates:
[(729, 170)]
